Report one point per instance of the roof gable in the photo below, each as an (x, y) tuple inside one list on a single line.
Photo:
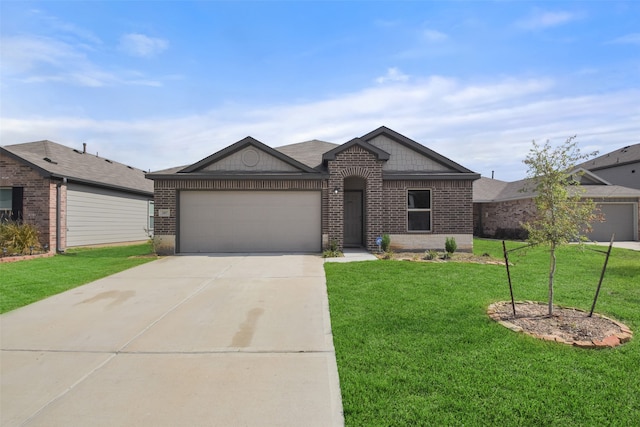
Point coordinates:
[(407, 155), (247, 156), (51, 159), (584, 177), (379, 153)]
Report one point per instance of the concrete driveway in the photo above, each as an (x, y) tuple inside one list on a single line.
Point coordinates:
[(208, 340)]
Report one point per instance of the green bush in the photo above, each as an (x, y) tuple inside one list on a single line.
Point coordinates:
[(430, 255), (332, 251), (19, 238), (450, 245), (386, 242)]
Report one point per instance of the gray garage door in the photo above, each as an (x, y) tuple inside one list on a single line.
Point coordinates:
[(619, 219), (249, 221)]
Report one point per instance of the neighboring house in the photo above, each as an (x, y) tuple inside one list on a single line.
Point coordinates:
[(500, 208), (620, 167), (73, 197), (249, 197)]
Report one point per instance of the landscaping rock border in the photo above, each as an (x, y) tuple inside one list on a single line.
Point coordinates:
[(496, 311), (25, 257)]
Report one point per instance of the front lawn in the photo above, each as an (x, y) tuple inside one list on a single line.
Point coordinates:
[(415, 347), (24, 282)]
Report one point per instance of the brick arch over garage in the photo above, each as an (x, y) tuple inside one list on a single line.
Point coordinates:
[(355, 161)]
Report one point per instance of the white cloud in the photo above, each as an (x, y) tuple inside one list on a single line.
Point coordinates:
[(484, 127), (545, 19), (633, 38), (393, 75), (24, 53), (434, 36), (35, 59), (142, 46)]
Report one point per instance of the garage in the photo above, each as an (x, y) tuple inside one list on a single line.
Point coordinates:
[(249, 221), (619, 219)]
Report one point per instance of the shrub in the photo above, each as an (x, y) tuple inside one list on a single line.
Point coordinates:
[(430, 255), (450, 245), (387, 254), (332, 251), (386, 242), (19, 238)]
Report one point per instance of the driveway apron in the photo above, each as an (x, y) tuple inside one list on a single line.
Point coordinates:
[(207, 340)]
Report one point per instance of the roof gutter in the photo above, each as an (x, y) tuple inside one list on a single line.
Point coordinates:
[(103, 185)]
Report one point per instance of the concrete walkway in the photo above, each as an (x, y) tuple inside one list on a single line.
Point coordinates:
[(634, 246), (352, 255), (189, 340)]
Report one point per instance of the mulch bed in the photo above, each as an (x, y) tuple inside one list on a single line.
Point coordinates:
[(455, 257), (567, 325)]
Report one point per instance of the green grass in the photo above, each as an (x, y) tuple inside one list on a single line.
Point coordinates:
[(415, 347), (25, 282)]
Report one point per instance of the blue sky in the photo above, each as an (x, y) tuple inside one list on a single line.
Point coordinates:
[(156, 84)]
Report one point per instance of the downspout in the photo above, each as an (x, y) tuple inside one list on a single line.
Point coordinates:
[(59, 249)]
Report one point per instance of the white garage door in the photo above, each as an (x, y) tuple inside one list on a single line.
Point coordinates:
[(250, 221), (619, 219)]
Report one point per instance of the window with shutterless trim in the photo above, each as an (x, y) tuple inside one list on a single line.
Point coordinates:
[(418, 210)]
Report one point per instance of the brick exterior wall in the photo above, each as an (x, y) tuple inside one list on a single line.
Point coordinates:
[(451, 205), (386, 202), (489, 218), (39, 198), (358, 162)]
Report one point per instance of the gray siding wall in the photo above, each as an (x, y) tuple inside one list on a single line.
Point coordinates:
[(250, 160), (98, 216), (625, 175), (406, 159)]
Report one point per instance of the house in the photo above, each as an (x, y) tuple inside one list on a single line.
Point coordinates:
[(619, 167), (249, 197), (500, 208), (73, 197)]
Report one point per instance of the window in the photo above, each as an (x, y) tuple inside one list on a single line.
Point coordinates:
[(150, 223), (419, 210), (5, 203), (11, 203)]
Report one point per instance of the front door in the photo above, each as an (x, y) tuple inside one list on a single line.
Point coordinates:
[(353, 218)]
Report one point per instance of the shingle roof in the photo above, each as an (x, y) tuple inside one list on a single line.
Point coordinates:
[(57, 160), (628, 154), (487, 190), (492, 190), (308, 152)]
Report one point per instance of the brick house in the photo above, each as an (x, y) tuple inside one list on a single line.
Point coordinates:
[(73, 197), (250, 197), (500, 208)]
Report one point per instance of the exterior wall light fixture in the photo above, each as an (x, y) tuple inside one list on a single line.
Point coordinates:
[(336, 190)]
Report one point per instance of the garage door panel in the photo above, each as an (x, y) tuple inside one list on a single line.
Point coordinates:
[(619, 219), (249, 221)]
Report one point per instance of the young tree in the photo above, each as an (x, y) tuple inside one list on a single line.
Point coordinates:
[(562, 213)]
